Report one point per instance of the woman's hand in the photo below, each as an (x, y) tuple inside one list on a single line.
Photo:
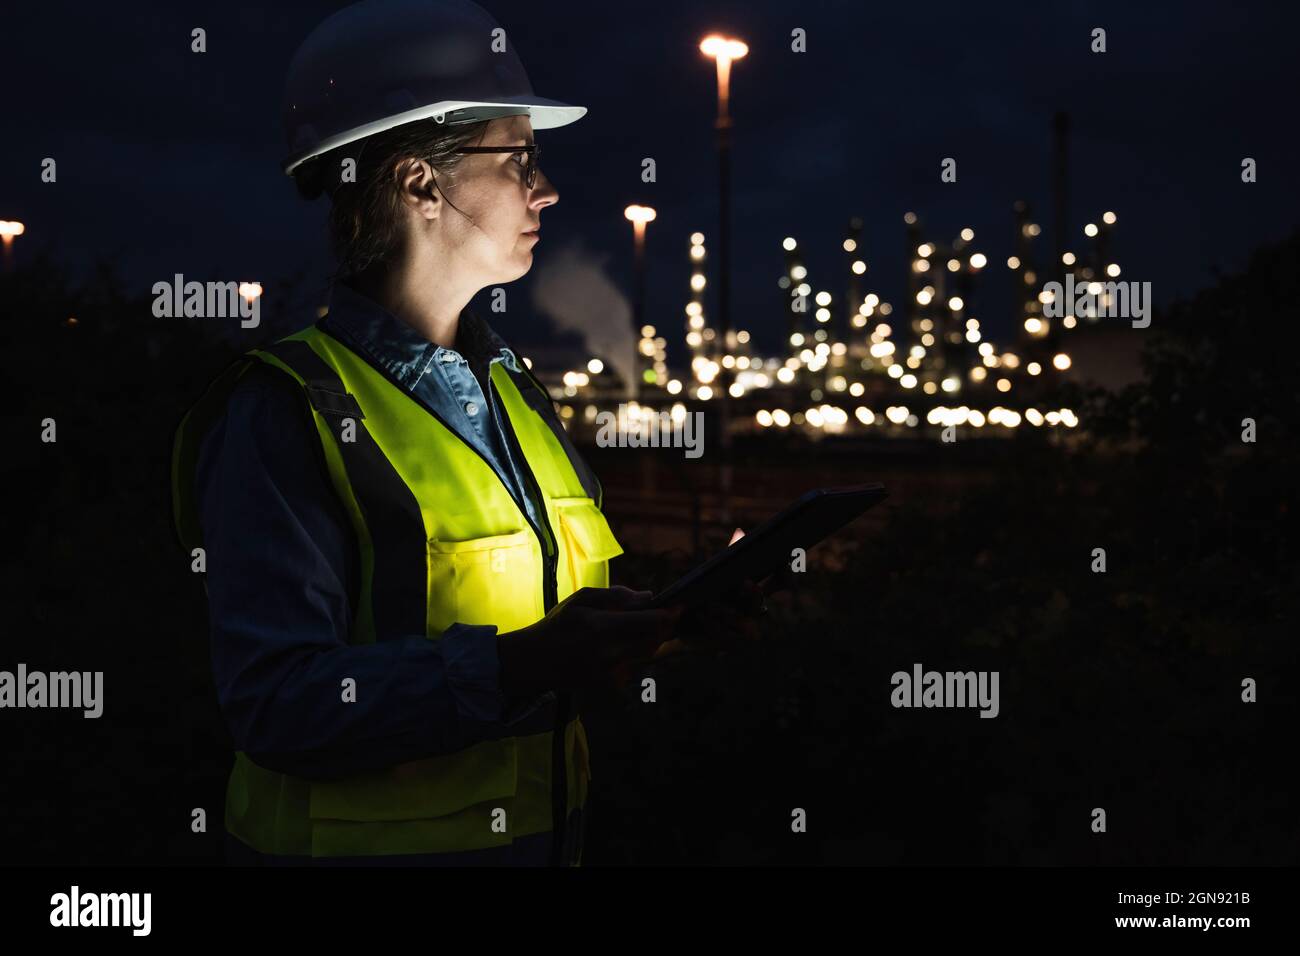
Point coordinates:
[(591, 638)]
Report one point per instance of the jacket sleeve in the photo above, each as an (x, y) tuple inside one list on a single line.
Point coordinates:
[(280, 557)]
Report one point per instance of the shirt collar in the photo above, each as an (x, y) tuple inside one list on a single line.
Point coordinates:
[(480, 342), (396, 347)]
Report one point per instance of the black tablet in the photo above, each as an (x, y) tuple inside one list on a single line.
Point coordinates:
[(764, 549)]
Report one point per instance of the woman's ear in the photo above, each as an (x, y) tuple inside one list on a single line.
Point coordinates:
[(418, 189)]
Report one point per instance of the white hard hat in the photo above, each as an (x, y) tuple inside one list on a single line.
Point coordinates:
[(381, 63)]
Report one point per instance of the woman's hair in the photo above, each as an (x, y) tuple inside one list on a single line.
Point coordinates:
[(365, 222)]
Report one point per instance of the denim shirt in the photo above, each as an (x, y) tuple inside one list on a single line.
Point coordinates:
[(282, 562)]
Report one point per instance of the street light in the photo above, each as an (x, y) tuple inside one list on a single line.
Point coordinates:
[(638, 216), (7, 232), (724, 51)]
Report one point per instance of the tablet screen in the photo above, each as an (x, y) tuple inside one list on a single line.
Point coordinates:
[(764, 549)]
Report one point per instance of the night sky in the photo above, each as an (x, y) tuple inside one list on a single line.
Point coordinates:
[(168, 161)]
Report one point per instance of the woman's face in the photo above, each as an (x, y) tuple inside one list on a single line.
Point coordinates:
[(494, 243)]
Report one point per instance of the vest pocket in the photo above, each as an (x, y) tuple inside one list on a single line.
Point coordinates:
[(490, 580), (442, 804), (436, 786), (588, 544)]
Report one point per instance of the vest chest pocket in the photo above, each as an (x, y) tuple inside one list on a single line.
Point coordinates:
[(491, 580), (587, 542)]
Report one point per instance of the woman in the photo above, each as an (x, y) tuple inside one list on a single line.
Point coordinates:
[(406, 562)]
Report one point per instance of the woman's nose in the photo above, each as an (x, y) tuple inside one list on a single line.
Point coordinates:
[(544, 193)]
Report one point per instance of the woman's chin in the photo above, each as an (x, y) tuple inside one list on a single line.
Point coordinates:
[(525, 260)]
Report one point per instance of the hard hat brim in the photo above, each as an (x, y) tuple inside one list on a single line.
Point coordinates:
[(544, 114)]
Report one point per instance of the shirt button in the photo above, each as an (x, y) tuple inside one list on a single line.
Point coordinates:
[(447, 357), (471, 408)]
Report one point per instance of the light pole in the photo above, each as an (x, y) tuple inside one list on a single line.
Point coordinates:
[(7, 232), (638, 216), (724, 50)]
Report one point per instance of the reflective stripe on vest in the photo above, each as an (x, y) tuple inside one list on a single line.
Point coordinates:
[(442, 540)]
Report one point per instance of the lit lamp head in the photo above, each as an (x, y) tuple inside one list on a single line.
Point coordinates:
[(723, 48), (7, 232), (639, 214)]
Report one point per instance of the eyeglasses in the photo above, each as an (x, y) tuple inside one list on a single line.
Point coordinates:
[(532, 149)]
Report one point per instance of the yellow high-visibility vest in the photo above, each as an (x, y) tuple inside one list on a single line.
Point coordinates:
[(442, 541)]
